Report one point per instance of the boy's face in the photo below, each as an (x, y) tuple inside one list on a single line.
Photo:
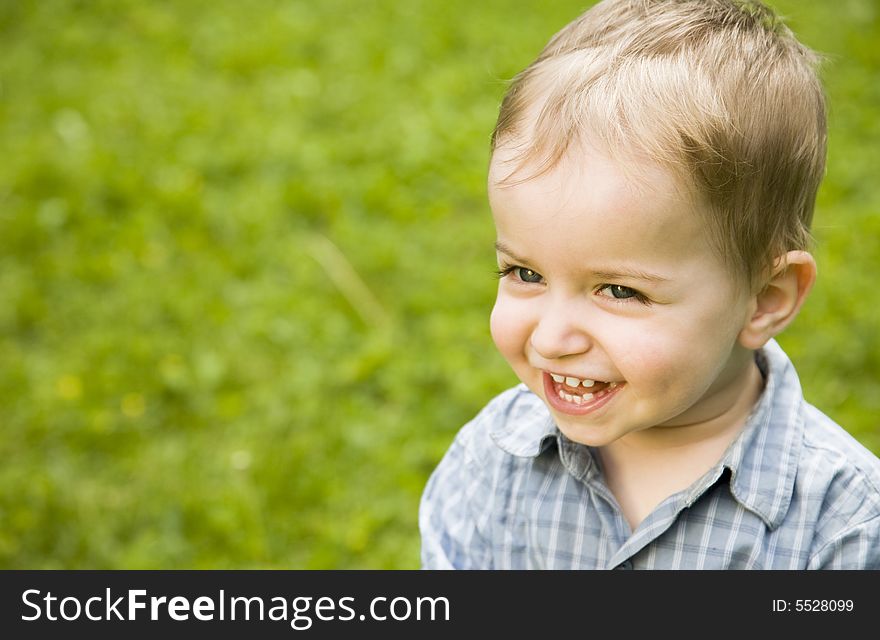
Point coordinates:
[(612, 280)]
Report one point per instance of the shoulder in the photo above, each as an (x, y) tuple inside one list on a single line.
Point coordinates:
[(828, 460), (457, 513), (824, 439), (509, 430), (808, 474), (843, 478), (833, 458)]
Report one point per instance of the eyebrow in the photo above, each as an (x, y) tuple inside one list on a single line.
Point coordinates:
[(603, 274)]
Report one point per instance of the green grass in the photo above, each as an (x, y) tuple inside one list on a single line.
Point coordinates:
[(246, 268)]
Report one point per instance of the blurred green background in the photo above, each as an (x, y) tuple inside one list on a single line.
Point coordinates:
[(246, 268)]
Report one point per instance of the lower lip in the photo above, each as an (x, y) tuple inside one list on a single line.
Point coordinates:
[(563, 406)]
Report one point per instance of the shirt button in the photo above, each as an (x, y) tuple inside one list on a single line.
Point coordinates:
[(626, 564)]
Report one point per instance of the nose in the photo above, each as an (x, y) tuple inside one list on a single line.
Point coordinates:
[(560, 331)]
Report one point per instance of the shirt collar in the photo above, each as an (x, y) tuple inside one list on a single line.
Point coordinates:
[(526, 429), (762, 459)]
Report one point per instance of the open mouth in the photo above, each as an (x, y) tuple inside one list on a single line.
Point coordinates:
[(578, 395)]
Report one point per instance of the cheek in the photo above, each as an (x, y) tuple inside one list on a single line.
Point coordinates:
[(508, 328), (659, 359), (676, 361), (646, 359)]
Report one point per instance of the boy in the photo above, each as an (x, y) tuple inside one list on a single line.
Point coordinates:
[(652, 183)]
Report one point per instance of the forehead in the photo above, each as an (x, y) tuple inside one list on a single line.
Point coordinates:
[(589, 180), (596, 209)]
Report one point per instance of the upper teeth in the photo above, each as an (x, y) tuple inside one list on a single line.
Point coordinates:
[(571, 381)]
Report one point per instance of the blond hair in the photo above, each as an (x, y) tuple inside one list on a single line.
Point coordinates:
[(719, 90)]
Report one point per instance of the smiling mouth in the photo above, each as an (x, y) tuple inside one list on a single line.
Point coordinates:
[(574, 396), (572, 390)]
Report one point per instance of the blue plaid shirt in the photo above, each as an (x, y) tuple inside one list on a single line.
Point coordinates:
[(792, 491)]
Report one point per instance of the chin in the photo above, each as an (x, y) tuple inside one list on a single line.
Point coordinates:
[(588, 435)]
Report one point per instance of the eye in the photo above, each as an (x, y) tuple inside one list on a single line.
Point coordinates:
[(620, 292), (527, 275), (522, 274)]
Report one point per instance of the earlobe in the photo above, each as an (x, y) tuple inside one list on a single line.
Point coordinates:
[(777, 304)]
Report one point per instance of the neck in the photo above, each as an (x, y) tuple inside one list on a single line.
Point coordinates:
[(645, 467)]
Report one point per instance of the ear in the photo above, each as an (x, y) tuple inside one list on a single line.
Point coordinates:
[(777, 304)]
